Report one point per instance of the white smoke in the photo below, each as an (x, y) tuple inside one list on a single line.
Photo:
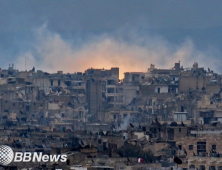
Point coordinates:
[(52, 53), (124, 124)]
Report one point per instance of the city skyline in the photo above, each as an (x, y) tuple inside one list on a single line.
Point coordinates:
[(73, 35)]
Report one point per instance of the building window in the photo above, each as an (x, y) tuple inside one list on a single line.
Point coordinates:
[(67, 162), (182, 109), (214, 147), (58, 150), (219, 168), (192, 167), (124, 115), (180, 147), (99, 141), (150, 102), (114, 116), (150, 111), (104, 145), (201, 147), (27, 108), (13, 104), (51, 82), (201, 167), (80, 114), (212, 168), (190, 147), (59, 82), (119, 117), (179, 129)]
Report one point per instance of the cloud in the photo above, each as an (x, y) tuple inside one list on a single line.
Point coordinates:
[(51, 52)]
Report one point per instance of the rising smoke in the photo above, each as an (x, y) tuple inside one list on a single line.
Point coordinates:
[(51, 53)]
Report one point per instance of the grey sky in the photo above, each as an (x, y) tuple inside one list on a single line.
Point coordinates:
[(174, 20), (90, 15)]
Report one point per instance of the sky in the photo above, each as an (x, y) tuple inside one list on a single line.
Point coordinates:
[(74, 35)]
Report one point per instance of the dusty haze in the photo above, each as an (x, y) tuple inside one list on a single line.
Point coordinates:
[(51, 53)]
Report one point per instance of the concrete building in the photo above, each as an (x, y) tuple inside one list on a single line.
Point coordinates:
[(94, 95), (180, 116)]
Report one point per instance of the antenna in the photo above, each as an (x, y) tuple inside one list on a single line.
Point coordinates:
[(25, 64)]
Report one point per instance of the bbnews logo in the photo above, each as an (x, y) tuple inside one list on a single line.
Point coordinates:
[(7, 156)]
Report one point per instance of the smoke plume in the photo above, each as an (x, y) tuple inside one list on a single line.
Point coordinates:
[(52, 53)]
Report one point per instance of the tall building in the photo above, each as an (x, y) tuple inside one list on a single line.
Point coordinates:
[(103, 73), (94, 95)]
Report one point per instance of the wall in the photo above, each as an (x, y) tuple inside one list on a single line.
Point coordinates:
[(212, 88), (54, 106), (192, 82), (163, 89), (43, 83), (129, 92), (147, 90), (209, 139), (3, 81), (94, 95)]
